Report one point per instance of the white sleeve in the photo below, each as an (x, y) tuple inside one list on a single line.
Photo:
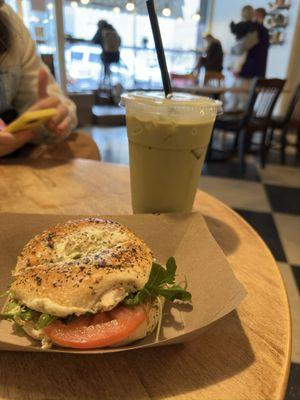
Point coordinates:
[(30, 64)]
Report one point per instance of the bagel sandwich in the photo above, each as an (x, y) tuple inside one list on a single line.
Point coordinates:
[(89, 283)]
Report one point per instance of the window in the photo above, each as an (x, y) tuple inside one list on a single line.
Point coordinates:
[(138, 62), (94, 58), (76, 56), (38, 16), (13, 4)]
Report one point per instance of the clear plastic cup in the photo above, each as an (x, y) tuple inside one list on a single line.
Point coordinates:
[(168, 139)]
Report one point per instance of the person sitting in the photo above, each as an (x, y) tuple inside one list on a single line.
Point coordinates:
[(26, 84), (109, 40), (212, 60)]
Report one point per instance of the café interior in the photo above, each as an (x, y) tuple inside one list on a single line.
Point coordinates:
[(253, 159)]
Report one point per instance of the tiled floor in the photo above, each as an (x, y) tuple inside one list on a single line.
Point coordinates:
[(268, 199)]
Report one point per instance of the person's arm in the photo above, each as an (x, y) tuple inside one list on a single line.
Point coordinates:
[(38, 89), (245, 44), (97, 39), (233, 26), (200, 62), (10, 142)]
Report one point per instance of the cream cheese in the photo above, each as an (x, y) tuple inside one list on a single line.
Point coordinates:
[(107, 302)]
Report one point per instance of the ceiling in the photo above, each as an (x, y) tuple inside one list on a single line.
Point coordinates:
[(174, 5)]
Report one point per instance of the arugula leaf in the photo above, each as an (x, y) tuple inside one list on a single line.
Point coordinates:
[(12, 308), (161, 282), (175, 293), (16, 309), (171, 269), (158, 275), (6, 293), (26, 314), (44, 320), (137, 298)]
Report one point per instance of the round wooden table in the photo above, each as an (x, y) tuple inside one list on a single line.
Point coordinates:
[(245, 355)]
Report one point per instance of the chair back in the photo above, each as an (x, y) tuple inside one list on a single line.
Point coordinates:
[(48, 59), (184, 80), (263, 96), (214, 79), (293, 111)]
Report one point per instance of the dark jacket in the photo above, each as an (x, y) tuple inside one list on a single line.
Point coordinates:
[(213, 61), (241, 29), (108, 38), (256, 61)]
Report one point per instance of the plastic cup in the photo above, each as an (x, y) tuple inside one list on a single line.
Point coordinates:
[(168, 139)]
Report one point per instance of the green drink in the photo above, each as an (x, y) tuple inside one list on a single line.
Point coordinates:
[(168, 139)]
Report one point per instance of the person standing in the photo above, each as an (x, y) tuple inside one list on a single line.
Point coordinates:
[(255, 64), (246, 34), (264, 42), (109, 40)]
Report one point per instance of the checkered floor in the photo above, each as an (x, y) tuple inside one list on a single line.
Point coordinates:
[(268, 199)]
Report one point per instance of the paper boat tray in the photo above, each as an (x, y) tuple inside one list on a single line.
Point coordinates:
[(215, 290)]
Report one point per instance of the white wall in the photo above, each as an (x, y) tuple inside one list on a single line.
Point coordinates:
[(224, 11)]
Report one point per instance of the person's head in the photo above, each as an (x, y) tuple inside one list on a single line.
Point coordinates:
[(102, 23), (247, 13), (260, 15), (208, 38), (5, 31)]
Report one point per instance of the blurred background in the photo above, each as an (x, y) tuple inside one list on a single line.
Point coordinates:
[(76, 59)]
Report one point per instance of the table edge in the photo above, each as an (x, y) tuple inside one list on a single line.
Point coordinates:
[(268, 251)]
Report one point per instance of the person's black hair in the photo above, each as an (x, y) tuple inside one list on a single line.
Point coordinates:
[(261, 11), (5, 32), (102, 24)]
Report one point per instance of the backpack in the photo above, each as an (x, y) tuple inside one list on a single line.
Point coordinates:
[(111, 41)]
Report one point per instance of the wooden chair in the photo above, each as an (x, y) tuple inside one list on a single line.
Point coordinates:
[(48, 59), (214, 79), (290, 121), (184, 80), (263, 96)]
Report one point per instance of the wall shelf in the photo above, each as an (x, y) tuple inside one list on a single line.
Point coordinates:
[(278, 18)]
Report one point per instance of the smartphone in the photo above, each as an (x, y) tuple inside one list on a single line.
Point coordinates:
[(31, 120)]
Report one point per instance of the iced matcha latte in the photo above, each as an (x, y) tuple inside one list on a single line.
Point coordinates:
[(168, 139)]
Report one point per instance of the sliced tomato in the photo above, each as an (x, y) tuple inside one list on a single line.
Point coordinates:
[(100, 330)]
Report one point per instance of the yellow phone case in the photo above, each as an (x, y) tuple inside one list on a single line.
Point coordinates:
[(31, 120)]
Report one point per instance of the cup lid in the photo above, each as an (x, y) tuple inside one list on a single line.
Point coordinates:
[(158, 99)]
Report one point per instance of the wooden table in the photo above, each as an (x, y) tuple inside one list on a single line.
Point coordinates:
[(246, 355)]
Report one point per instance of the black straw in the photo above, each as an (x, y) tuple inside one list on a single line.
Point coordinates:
[(159, 48)]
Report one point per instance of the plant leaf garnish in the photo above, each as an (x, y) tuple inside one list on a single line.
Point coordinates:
[(6, 293), (44, 320), (14, 309), (161, 282)]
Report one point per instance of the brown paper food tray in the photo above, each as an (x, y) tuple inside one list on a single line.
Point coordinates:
[(214, 288)]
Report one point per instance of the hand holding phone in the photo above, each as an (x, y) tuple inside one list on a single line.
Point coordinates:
[(31, 120), (10, 142)]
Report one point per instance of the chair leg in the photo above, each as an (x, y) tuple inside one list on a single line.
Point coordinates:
[(269, 138), (263, 149), (208, 156), (236, 142), (298, 145), (283, 146), (242, 150)]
